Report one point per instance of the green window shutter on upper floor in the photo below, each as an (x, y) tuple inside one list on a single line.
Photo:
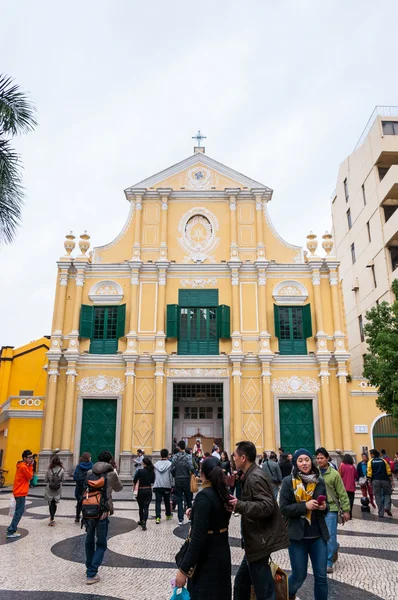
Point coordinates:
[(198, 298), (307, 321), (277, 323), (224, 321), (121, 321), (86, 321), (172, 321)]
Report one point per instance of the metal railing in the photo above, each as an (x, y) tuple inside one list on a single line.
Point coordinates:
[(379, 111)]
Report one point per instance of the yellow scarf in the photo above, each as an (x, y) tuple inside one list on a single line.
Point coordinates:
[(303, 494)]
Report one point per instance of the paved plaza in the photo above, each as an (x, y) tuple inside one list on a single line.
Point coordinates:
[(47, 563)]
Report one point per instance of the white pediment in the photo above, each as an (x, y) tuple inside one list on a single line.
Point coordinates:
[(197, 184)]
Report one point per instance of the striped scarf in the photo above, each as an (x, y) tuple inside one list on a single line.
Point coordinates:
[(302, 493)]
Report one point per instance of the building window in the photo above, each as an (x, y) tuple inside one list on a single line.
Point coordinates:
[(363, 194), (372, 268), (388, 212), (393, 250), (219, 412), (349, 219), (176, 412), (346, 189), (292, 327), (190, 412), (361, 333), (390, 127), (205, 412), (368, 230), (382, 172), (353, 253), (103, 325), (197, 322)]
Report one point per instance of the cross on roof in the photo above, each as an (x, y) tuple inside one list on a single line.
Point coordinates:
[(199, 137)]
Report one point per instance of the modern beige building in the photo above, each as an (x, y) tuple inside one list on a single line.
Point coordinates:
[(365, 222)]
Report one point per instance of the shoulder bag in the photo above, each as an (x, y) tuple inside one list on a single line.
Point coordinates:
[(340, 511)]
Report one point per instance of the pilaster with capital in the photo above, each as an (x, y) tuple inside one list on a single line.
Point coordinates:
[(162, 266), (49, 412), (327, 420), (236, 335), (268, 406), (132, 339), (321, 338), (63, 268), (137, 227), (74, 334), (164, 195), (258, 195), (128, 415), (234, 251), (159, 424), (264, 338), (339, 337), (66, 453), (344, 403), (236, 392)]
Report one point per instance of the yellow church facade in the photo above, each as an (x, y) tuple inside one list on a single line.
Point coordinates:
[(200, 321)]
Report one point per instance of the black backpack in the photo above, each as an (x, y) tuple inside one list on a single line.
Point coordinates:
[(55, 481)]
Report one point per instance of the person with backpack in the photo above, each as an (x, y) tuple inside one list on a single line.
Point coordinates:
[(97, 506), (379, 472), (20, 490), (79, 476), (52, 492), (273, 471), (182, 467)]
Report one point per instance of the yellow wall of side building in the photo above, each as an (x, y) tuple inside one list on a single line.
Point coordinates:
[(21, 369)]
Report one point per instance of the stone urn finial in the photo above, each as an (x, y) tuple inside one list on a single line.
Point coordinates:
[(84, 243), (312, 243), (69, 244), (327, 243)]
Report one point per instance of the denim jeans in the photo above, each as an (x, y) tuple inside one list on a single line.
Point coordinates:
[(331, 519), (257, 574), (95, 551), (299, 551), (382, 491), (182, 487), (19, 510), (162, 494)]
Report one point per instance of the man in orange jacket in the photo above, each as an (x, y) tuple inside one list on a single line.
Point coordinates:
[(20, 490)]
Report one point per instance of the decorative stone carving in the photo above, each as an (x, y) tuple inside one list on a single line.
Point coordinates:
[(101, 385), (327, 243), (290, 292), (84, 243), (198, 228), (29, 402), (295, 385), (312, 243), (69, 244), (106, 292), (198, 283), (197, 373), (199, 178)]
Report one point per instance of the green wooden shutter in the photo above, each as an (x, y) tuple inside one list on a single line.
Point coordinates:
[(121, 321), (86, 321), (307, 321), (224, 321), (172, 321), (277, 322), (198, 298)]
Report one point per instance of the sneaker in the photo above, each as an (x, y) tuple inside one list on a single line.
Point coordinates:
[(336, 554), (139, 523), (168, 518), (373, 504), (181, 522), (157, 521), (143, 527), (13, 536), (236, 514), (329, 570), (388, 512), (51, 523), (91, 580)]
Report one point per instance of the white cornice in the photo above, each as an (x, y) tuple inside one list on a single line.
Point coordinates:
[(306, 359), (193, 160), (197, 361), (100, 359)]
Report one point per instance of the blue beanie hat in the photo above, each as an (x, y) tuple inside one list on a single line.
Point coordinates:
[(300, 452)]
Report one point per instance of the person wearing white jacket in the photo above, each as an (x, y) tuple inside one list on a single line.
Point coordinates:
[(162, 486)]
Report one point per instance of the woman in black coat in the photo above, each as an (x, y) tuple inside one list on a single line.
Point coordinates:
[(207, 562), (306, 526)]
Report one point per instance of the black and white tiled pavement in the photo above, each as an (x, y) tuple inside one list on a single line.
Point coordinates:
[(47, 563)]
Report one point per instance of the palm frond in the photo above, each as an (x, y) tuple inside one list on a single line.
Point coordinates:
[(11, 192), (17, 112)]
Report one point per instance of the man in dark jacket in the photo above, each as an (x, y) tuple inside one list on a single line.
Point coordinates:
[(263, 527), (182, 467), (379, 473), (98, 528)]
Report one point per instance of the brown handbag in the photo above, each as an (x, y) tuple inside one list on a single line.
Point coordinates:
[(193, 484)]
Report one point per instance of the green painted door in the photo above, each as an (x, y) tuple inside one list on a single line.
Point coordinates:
[(296, 425), (98, 427)]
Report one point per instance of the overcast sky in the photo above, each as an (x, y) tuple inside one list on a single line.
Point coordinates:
[(282, 90)]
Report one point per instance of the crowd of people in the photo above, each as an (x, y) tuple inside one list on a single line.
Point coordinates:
[(293, 501)]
